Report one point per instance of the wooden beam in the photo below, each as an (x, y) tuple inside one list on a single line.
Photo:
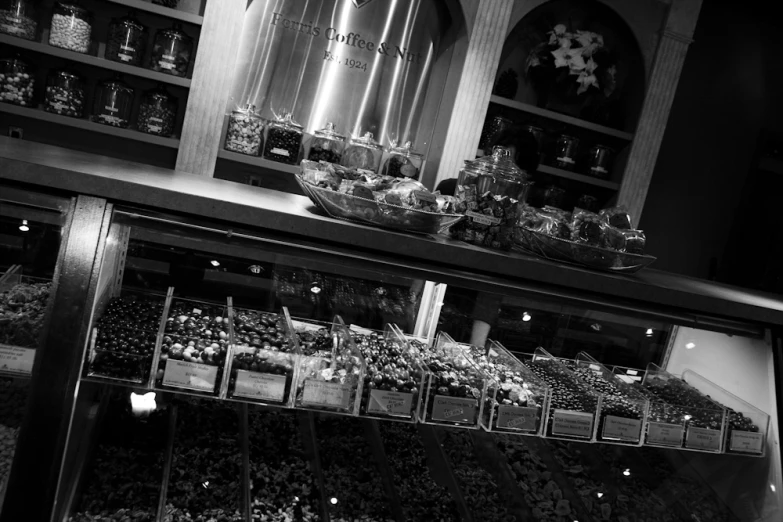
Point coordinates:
[(217, 51)]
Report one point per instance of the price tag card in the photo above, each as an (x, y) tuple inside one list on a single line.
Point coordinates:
[(390, 403), (16, 360), (482, 219), (360, 330), (191, 376), (454, 409), (326, 394), (746, 441), (664, 434), (429, 197), (703, 438), (306, 327), (266, 386), (622, 429), (517, 418), (572, 423)]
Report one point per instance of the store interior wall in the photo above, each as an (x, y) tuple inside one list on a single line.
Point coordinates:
[(724, 99)]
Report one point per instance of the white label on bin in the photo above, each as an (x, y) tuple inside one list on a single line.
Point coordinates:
[(625, 378), (281, 152), (622, 429), (166, 65), (125, 57), (196, 311), (482, 219), (454, 409), (127, 48), (425, 196), (253, 385), (390, 403), (360, 330), (110, 109), (191, 376), (155, 128), (664, 434), (746, 441), (517, 418), (155, 120), (169, 57), (565, 159), (16, 360), (572, 423), (600, 170), (703, 438), (326, 394)]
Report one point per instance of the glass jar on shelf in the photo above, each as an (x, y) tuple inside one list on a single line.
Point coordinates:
[(403, 162), (283, 140), (127, 40), (245, 133), (64, 93), (71, 27), (327, 145), (157, 112), (565, 152), (171, 51), (489, 191), (600, 161), (491, 129), (554, 196), (363, 153), (587, 202), (16, 82), (19, 18), (113, 103), (538, 134)]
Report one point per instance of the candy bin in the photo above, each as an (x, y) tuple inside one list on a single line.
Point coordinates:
[(403, 162), (171, 51), (394, 381), (157, 112), (16, 82), (327, 145), (64, 93), (565, 152), (517, 400), (363, 153), (194, 347), (488, 192), (245, 132), (600, 161), (331, 368), (283, 140), (18, 18), (127, 40), (113, 103), (71, 28), (455, 388), (264, 357)]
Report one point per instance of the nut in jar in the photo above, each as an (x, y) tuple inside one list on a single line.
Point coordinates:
[(17, 18), (16, 82), (71, 28), (245, 133)]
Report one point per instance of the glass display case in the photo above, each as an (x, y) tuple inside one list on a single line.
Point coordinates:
[(231, 372)]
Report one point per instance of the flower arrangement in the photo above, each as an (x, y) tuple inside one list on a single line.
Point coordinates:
[(577, 51)]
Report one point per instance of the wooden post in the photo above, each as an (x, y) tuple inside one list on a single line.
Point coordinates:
[(661, 89), (485, 44), (210, 87)]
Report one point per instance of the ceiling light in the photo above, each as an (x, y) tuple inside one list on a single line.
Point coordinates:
[(215, 263), (142, 405), (333, 500), (690, 346), (649, 332), (255, 269), (600, 495), (526, 317), (315, 289), (595, 326), (23, 227), (627, 472)]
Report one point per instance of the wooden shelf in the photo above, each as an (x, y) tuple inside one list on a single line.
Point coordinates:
[(94, 60), (257, 161), (160, 10), (40, 114), (560, 173), (570, 120)]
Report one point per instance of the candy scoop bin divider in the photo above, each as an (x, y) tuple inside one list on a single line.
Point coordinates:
[(192, 348), (167, 463), (705, 420), (624, 410), (395, 374), (574, 407), (330, 373), (260, 374), (372, 435), (455, 388), (310, 443), (746, 426)]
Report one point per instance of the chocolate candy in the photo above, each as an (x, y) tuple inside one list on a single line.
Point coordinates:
[(282, 144), (70, 32), (318, 153), (699, 410), (126, 42), (567, 393), (22, 313), (156, 120), (17, 88), (67, 102), (16, 24)]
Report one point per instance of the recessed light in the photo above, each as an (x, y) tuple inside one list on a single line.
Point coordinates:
[(255, 269), (526, 317), (333, 500), (649, 332), (215, 263), (23, 227), (315, 289), (627, 472), (690, 346), (595, 326)]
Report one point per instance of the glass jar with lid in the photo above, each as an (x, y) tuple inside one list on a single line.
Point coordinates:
[(127, 40), (565, 152), (491, 129), (113, 103), (16, 82), (600, 161), (245, 132), (283, 140), (363, 153), (554, 196), (157, 112), (64, 93), (403, 162), (71, 27), (488, 192), (171, 51), (18, 18), (327, 145)]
